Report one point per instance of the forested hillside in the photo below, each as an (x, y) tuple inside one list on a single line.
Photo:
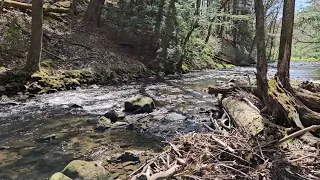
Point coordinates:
[(159, 89)]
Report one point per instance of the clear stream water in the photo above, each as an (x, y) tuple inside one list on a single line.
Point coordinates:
[(22, 125)]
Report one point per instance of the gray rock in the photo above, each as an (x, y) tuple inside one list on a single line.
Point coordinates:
[(175, 117), (112, 115), (139, 105), (120, 124)]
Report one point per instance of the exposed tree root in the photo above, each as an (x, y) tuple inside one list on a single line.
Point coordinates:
[(310, 99)]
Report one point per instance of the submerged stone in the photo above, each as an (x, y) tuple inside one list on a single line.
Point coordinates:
[(59, 176), (175, 117), (79, 169), (139, 105), (49, 137)]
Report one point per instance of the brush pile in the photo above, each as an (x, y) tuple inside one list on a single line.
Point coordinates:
[(227, 152)]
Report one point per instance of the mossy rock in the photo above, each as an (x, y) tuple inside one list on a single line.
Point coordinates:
[(139, 105), (59, 176), (103, 124), (71, 83), (45, 79), (85, 170)]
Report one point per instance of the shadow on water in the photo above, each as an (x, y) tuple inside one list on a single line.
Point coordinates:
[(34, 158)]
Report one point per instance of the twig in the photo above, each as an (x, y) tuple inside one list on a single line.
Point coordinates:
[(250, 83), (54, 55), (207, 126), (304, 157), (299, 133), (293, 135), (216, 125), (260, 150), (165, 174), (223, 144), (251, 104), (244, 174), (174, 147)]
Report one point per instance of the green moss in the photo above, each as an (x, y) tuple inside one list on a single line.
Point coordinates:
[(45, 78), (185, 67), (79, 169), (78, 73), (59, 176), (48, 64)]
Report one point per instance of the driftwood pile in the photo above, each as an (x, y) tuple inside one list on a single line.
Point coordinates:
[(242, 144)]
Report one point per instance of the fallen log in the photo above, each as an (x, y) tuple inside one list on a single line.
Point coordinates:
[(25, 6), (308, 98), (250, 121), (224, 60)]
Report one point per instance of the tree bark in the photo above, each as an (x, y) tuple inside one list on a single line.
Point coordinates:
[(93, 12), (286, 43), (1, 6), (157, 26), (249, 119), (261, 74), (34, 53), (73, 7)]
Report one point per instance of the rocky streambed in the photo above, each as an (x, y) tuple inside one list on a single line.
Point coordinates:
[(40, 136)]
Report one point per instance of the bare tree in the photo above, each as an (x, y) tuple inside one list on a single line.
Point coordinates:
[(93, 12), (34, 53), (261, 48), (286, 43), (73, 7)]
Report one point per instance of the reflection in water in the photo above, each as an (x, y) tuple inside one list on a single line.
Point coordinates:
[(24, 156)]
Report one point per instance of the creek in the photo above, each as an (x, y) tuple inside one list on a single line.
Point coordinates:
[(179, 101)]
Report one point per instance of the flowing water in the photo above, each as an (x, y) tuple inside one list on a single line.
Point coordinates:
[(24, 155)]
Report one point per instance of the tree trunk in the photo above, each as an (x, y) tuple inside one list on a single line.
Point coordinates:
[(1, 6), (212, 20), (34, 53), (93, 12), (235, 23), (73, 7), (157, 26), (286, 43), (261, 49)]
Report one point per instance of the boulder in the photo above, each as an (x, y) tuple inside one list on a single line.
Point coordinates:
[(112, 115), (85, 170), (103, 124), (139, 105), (59, 176)]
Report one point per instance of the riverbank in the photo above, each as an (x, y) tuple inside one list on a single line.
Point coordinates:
[(73, 55)]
